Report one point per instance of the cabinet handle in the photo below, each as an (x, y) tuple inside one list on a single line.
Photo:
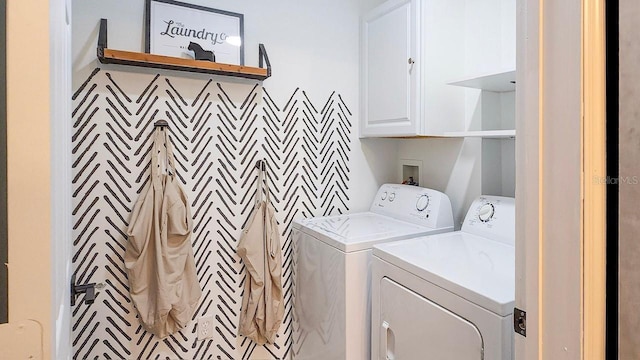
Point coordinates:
[(411, 62)]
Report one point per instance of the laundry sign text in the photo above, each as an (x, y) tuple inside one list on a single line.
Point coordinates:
[(172, 25), (176, 28)]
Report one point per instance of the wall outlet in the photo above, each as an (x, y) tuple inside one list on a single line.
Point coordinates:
[(205, 327)]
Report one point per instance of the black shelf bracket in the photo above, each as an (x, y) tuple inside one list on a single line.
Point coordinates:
[(102, 38), (264, 59)]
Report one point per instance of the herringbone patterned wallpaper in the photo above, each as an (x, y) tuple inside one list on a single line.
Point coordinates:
[(219, 130)]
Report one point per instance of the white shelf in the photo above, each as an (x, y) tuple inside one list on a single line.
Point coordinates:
[(486, 134), (499, 82)]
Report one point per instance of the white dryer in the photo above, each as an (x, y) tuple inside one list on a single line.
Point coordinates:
[(332, 259), (448, 296)]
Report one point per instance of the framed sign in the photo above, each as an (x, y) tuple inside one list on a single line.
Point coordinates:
[(171, 26)]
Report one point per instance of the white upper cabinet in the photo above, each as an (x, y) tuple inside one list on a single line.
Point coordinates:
[(410, 50), (390, 45)]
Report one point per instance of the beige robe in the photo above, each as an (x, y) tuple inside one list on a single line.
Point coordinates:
[(159, 257), (260, 250)]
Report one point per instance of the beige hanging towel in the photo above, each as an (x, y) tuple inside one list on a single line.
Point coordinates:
[(259, 248), (159, 256)]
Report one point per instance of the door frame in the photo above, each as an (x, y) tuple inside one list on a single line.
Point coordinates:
[(560, 240), (595, 178), (4, 276), (38, 131)]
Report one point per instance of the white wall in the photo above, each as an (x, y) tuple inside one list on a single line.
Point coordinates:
[(490, 28), (448, 165), (313, 46)]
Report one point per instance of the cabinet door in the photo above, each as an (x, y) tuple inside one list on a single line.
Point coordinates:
[(390, 70)]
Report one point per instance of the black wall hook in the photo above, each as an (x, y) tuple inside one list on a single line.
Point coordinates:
[(161, 124), (261, 164)]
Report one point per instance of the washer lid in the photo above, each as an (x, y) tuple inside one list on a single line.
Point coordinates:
[(478, 269), (354, 232)]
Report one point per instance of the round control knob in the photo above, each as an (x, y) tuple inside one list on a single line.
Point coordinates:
[(383, 196), (422, 203), (392, 196), (486, 212)]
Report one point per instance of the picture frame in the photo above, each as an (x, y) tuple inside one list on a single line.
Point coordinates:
[(171, 25)]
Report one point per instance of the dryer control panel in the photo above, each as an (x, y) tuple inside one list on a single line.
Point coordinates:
[(492, 217), (414, 204)]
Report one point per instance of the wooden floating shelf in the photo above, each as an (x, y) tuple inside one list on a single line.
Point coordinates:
[(131, 58), (503, 81)]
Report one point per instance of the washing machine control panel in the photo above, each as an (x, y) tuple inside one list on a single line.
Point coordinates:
[(414, 204), (492, 217)]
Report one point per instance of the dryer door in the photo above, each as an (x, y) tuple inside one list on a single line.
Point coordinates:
[(413, 327)]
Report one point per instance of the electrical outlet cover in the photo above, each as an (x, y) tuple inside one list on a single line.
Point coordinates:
[(205, 327)]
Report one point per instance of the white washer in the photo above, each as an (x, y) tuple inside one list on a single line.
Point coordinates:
[(448, 296), (332, 268)]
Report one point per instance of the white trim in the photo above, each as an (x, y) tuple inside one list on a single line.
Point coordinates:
[(528, 111), (61, 178)]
